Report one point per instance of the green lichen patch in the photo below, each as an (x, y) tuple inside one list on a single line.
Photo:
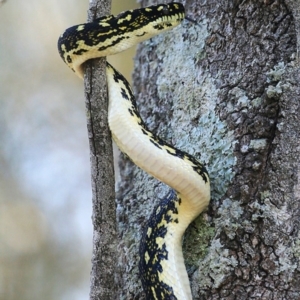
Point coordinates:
[(196, 242)]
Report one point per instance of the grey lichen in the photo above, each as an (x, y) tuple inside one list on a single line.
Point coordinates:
[(238, 101), (274, 76), (281, 218), (220, 262), (273, 91), (229, 220), (268, 210), (296, 247), (276, 73), (258, 144)]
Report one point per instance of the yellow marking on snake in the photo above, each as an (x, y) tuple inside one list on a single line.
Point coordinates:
[(127, 18), (149, 231), (161, 264), (80, 27), (147, 257)]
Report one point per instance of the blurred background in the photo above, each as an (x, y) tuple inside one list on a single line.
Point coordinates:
[(45, 193)]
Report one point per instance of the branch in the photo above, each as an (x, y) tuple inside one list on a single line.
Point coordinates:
[(103, 186)]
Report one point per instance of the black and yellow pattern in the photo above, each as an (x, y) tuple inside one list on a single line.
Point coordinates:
[(161, 264), (112, 34), (154, 250)]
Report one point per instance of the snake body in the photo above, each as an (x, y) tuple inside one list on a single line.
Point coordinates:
[(162, 269)]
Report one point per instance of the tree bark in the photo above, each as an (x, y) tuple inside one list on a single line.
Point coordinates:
[(226, 90), (102, 172)]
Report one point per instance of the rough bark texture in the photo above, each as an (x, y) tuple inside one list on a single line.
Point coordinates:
[(103, 187), (227, 91), (294, 7)]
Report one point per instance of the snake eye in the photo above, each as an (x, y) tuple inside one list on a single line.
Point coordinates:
[(165, 9)]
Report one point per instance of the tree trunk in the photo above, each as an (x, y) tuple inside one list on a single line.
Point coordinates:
[(226, 90), (102, 172)]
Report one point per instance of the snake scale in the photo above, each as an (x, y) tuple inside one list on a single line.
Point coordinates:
[(161, 265)]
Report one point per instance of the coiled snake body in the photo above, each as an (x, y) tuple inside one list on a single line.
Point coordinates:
[(161, 264)]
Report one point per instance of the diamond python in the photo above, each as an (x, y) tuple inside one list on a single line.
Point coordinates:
[(161, 264)]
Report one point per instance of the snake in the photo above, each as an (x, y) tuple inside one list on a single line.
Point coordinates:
[(161, 266)]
